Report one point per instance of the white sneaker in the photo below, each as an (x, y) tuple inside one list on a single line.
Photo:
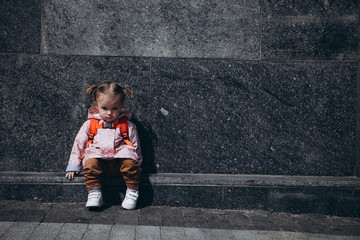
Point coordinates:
[(95, 199), (130, 200)]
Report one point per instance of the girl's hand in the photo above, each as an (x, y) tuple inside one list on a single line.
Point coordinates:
[(71, 175)]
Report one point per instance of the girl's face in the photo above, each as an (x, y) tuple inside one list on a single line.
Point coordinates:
[(109, 106)]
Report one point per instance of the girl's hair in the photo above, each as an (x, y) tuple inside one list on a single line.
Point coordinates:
[(107, 87)]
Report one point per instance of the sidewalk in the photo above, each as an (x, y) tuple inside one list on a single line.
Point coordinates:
[(36, 220)]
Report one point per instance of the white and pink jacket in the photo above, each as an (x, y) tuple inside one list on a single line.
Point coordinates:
[(108, 143)]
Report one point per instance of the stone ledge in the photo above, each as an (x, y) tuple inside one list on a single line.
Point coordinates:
[(194, 180), (295, 194)]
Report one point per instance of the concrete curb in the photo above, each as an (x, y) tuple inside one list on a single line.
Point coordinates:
[(195, 180), (295, 194)]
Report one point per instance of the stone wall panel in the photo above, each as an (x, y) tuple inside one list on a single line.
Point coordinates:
[(195, 29), (308, 30), (254, 118), (43, 104), (20, 26)]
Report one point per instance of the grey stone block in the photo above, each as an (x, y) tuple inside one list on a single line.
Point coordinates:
[(147, 232), (175, 233), (72, 231), (44, 105), (153, 28), (31, 192), (69, 213), (4, 226), (244, 198), (127, 218), (297, 194), (324, 201), (150, 216), (20, 230), (97, 231), (172, 217), (254, 117), (305, 30), (193, 196), (193, 116), (46, 231), (181, 195), (20, 26), (122, 232)]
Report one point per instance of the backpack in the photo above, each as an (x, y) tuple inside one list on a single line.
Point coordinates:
[(122, 124)]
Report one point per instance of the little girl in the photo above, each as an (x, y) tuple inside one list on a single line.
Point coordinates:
[(109, 153)]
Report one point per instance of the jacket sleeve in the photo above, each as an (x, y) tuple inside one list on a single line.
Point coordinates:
[(78, 149), (134, 139)]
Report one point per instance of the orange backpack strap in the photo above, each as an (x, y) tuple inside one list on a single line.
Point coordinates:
[(92, 132), (94, 123), (123, 125)]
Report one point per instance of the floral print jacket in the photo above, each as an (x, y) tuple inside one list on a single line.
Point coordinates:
[(108, 144)]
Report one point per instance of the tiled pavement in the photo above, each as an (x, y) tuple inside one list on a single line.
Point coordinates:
[(36, 220)]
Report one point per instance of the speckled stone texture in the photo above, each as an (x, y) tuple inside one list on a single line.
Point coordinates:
[(196, 116), (20, 26), (235, 87), (310, 29), (296, 194), (254, 117), (43, 104), (191, 29)]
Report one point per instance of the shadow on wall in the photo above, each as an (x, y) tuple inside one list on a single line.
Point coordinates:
[(147, 136)]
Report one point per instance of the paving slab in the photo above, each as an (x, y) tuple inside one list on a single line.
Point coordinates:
[(195, 218), (35, 215), (217, 219), (283, 222), (173, 233), (74, 220), (312, 223), (72, 231), (220, 234), (97, 231), (122, 232), (46, 231), (260, 221), (247, 235), (150, 216), (302, 236), (172, 217), (10, 215), (69, 213), (147, 233), (19, 230), (196, 233), (4, 226), (128, 217), (239, 220), (106, 216), (32, 230)]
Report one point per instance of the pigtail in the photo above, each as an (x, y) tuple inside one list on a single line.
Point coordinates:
[(90, 93), (127, 92)]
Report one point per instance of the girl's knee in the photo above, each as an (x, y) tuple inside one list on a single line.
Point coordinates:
[(91, 162), (129, 165), (93, 166)]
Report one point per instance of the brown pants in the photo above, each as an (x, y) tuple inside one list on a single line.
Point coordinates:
[(95, 169)]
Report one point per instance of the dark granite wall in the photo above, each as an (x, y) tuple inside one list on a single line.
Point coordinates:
[(247, 87), (357, 172)]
